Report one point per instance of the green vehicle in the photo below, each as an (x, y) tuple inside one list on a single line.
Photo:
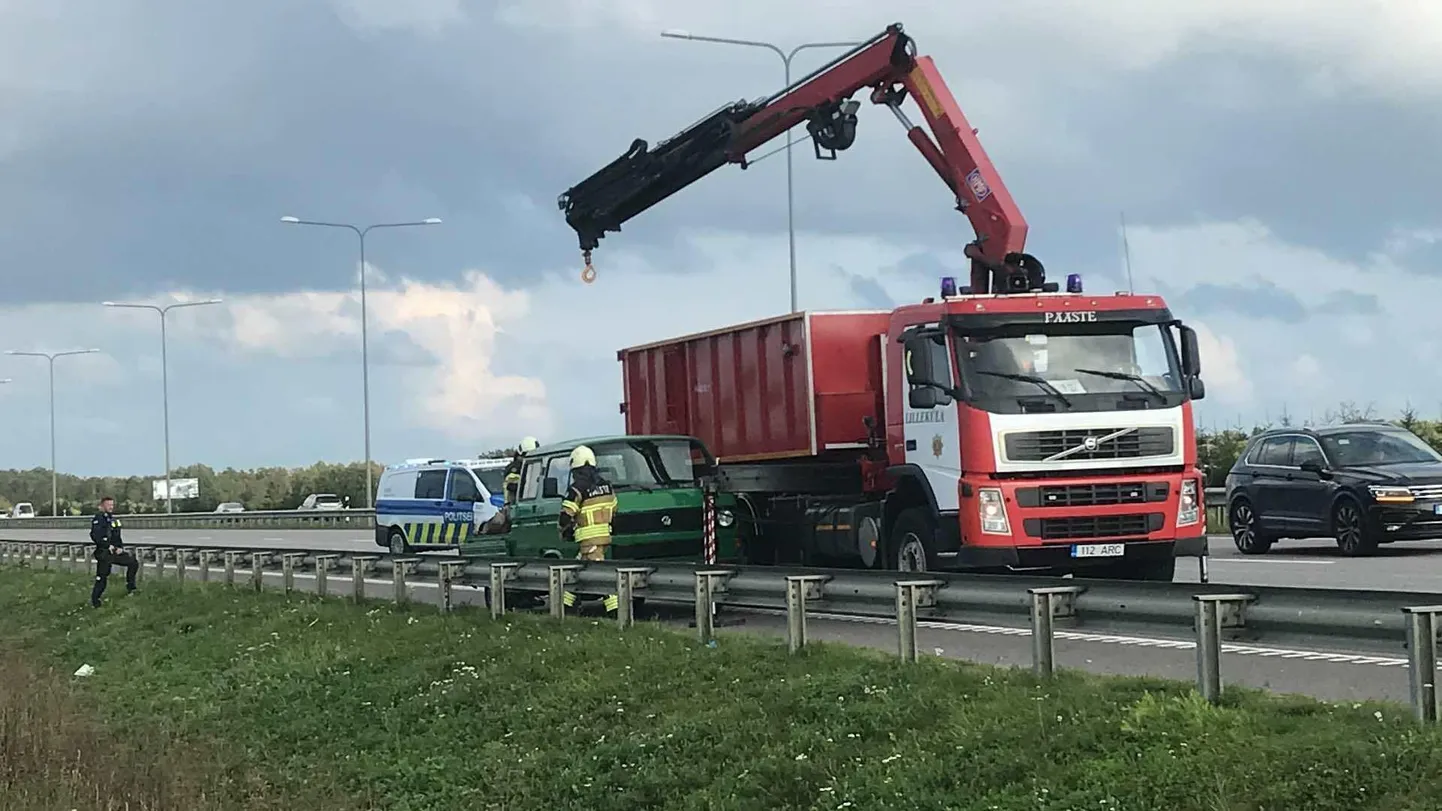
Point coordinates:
[(658, 485)]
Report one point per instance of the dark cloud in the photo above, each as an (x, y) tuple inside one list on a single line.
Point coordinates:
[(1264, 300)]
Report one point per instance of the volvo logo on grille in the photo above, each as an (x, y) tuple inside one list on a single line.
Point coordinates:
[(1090, 443)]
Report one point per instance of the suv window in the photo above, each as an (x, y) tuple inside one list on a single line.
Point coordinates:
[(431, 485), (1275, 451), (463, 487), (1304, 450)]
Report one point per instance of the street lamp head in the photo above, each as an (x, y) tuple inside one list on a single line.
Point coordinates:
[(108, 303), (676, 33), (212, 301), (431, 221), (290, 220)]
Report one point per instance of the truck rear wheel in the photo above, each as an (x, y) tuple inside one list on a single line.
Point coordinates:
[(912, 547)]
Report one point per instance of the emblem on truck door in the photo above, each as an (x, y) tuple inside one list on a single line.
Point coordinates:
[(936, 446)]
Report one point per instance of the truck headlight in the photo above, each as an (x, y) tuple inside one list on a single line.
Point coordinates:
[(1188, 509), (1390, 495), (993, 511), (725, 518)]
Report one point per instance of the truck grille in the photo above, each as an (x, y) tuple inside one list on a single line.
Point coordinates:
[(683, 519), (1038, 446), (1093, 526), (1091, 495)]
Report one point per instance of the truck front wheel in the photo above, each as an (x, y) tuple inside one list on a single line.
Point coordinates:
[(912, 547)]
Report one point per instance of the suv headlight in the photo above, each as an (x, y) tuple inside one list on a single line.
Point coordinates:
[(993, 511), (1188, 509), (725, 518), (1390, 495)]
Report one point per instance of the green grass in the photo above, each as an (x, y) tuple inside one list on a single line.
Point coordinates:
[(413, 710)]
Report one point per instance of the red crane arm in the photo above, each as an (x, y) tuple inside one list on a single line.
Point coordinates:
[(643, 177)]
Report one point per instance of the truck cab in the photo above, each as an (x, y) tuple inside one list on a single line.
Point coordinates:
[(1044, 429)]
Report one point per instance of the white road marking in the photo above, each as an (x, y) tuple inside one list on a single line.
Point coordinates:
[(1275, 560)]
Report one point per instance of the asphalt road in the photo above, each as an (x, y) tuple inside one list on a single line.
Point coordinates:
[(1316, 563), (1328, 675)]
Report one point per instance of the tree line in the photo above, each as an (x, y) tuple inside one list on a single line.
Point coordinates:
[(267, 488), (280, 488)]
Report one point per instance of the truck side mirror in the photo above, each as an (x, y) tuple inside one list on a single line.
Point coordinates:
[(1191, 355), (1197, 388), (550, 488), (924, 397), (916, 360)]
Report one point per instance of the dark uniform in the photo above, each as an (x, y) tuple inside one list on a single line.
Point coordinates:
[(105, 534), (513, 479), (587, 511)]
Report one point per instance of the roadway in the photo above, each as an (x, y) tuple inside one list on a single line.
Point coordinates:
[(1314, 563)]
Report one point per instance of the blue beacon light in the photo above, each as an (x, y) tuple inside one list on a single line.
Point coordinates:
[(1073, 283), (948, 286)]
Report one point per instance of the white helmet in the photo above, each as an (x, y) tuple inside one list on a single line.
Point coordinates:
[(582, 456), (529, 444)]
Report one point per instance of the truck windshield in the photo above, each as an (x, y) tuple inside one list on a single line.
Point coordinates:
[(1095, 366), (653, 463)]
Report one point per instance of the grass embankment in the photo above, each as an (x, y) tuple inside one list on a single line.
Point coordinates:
[(406, 709)]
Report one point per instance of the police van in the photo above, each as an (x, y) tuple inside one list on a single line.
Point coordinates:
[(424, 504)]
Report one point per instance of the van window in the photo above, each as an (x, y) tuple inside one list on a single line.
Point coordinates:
[(559, 468), (531, 480), (431, 485), (463, 487), (494, 479), (400, 484)]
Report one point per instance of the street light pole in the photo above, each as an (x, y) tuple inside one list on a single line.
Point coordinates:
[(360, 233), (51, 356), (164, 375), (786, 57)]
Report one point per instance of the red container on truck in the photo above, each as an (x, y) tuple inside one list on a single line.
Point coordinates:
[(1002, 424)]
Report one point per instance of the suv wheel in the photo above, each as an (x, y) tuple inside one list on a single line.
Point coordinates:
[(1247, 535), (1350, 527)]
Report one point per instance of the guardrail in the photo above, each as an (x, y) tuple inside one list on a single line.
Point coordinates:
[(1353, 621), (348, 519)]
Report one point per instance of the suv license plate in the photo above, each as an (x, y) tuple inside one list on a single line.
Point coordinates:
[(1098, 550)]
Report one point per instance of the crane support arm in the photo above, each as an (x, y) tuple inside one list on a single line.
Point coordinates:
[(887, 64)]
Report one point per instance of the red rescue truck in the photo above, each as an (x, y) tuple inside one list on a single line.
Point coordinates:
[(1002, 424)]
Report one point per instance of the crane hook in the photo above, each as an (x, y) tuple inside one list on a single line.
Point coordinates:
[(588, 275)]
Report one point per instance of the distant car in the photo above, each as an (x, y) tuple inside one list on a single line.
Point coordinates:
[(1363, 484), (23, 510), (322, 501), (230, 507)]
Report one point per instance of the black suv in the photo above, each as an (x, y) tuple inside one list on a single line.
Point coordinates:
[(1364, 484)]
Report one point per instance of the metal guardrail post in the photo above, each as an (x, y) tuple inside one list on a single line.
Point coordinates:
[(1422, 660), (910, 596), (257, 571), (287, 569), (799, 589), (445, 579), (628, 579), (203, 558), (1048, 604), (231, 556), (1203, 572), (322, 568), (358, 566), (561, 575), (400, 567), (45, 556), (709, 583), (1215, 612), (180, 555), (160, 554), (500, 573)]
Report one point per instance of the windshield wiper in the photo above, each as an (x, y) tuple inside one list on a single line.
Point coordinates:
[(1137, 379), (1033, 379)]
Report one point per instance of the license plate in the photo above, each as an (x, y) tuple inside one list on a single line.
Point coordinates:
[(1098, 550)]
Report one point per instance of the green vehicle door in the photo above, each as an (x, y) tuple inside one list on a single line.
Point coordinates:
[(533, 517)]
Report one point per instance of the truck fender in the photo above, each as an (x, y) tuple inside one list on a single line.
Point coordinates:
[(900, 473)]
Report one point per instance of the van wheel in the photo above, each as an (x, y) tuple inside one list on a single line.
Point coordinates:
[(398, 545)]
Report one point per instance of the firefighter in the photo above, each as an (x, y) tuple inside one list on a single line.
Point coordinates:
[(513, 470), (587, 511), (109, 551)]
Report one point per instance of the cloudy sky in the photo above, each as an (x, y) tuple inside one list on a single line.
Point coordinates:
[(1276, 162)]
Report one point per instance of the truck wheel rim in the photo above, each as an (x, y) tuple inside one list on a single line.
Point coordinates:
[(911, 557)]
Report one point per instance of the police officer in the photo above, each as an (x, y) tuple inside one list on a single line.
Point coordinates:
[(586, 513), (109, 550), (513, 470)]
